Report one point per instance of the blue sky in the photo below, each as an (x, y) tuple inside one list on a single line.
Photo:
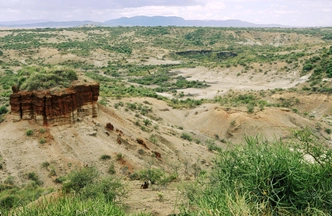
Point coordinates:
[(285, 12)]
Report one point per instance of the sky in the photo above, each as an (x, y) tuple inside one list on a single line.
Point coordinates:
[(284, 12)]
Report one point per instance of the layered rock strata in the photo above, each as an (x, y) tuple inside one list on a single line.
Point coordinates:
[(56, 106)]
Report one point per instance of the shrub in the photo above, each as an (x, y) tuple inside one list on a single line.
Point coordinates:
[(8, 201), (77, 180), (250, 108), (33, 176), (152, 174), (52, 173), (45, 164), (111, 169), (119, 156), (186, 136), (60, 180), (42, 140), (141, 151), (146, 122), (105, 157), (109, 188), (3, 110), (212, 146), (29, 132), (307, 67), (153, 138)]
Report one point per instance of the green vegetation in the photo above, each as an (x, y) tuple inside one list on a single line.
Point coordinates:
[(166, 83), (3, 110), (45, 164), (83, 192), (321, 66), (36, 78), (12, 195), (111, 169), (33, 177), (186, 136), (42, 140), (105, 157), (75, 205), (154, 175), (261, 178), (29, 132), (119, 156)]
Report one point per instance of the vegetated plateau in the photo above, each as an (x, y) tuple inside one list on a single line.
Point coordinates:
[(219, 121)]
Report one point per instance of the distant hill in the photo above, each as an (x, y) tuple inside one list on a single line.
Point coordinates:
[(178, 21), (136, 21), (147, 21)]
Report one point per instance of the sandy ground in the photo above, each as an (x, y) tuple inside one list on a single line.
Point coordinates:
[(220, 81)]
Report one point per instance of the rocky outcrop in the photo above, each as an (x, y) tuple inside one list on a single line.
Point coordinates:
[(56, 106)]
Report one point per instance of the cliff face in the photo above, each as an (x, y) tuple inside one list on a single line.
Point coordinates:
[(56, 106)]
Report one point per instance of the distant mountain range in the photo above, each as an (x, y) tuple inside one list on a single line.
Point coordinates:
[(135, 21)]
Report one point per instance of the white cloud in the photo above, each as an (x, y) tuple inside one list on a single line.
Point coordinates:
[(295, 12)]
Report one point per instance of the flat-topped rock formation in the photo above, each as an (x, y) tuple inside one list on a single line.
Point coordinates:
[(56, 106)]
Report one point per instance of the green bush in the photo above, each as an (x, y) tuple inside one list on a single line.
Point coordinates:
[(77, 180), (250, 108), (42, 140), (34, 177), (45, 164), (29, 132), (307, 67), (109, 188), (153, 175), (3, 110), (262, 178), (105, 157), (186, 136), (111, 169), (119, 156), (8, 201)]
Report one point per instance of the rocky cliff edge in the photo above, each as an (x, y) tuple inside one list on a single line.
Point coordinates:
[(56, 106)]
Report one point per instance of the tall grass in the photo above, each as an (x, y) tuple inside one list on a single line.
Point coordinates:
[(83, 193), (75, 205), (262, 178)]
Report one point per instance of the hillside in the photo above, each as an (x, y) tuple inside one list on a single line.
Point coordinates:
[(175, 97)]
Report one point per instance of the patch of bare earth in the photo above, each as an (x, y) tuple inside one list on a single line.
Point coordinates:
[(221, 80)]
